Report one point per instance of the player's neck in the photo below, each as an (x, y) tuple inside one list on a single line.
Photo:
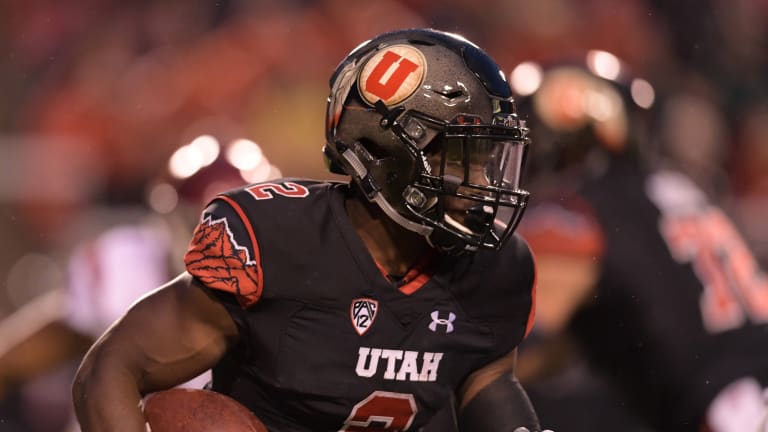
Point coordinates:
[(393, 247)]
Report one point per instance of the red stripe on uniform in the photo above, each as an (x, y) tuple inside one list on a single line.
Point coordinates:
[(532, 312), (252, 235)]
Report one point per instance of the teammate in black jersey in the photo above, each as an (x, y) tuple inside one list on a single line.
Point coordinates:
[(650, 277), (363, 306)]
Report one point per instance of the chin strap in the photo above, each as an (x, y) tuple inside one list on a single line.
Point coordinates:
[(360, 172), (399, 219), (373, 192), (448, 244)]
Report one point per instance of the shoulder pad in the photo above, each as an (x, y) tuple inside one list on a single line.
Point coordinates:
[(223, 253), (568, 228)]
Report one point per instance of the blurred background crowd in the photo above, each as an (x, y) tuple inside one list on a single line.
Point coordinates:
[(98, 96)]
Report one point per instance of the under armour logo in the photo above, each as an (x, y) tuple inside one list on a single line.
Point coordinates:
[(436, 321)]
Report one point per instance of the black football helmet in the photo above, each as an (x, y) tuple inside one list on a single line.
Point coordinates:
[(209, 164), (424, 123), (585, 112)]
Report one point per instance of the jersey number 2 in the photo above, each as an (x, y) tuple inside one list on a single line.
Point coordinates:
[(382, 411), (287, 189)]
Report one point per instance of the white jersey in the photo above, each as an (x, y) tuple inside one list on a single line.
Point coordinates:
[(108, 274)]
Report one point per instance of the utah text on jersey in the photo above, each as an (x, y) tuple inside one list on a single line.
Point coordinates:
[(399, 365)]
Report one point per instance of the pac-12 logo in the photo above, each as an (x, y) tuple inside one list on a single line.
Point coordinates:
[(392, 74), (363, 313)]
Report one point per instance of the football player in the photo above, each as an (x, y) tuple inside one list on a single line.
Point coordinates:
[(363, 305), (57, 328), (646, 273)]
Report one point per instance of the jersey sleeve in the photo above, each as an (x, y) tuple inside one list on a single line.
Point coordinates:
[(532, 311), (223, 253), (528, 282), (504, 295)]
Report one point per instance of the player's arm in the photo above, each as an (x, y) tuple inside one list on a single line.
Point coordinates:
[(492, 399), (569, 244), (35, 339), (170, 336)]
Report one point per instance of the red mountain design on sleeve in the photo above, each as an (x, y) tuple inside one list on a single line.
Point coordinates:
[(215, 258)]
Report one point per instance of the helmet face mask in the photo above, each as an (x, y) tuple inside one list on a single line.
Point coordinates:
[(424, 123), (474, 181)]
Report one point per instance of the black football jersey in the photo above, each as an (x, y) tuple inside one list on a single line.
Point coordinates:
[(327, 342), (680, 307)]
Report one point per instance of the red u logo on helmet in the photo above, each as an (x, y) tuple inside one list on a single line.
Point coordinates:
[(392, 75)]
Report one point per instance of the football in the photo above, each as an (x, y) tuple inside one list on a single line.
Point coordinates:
[(193, 410)]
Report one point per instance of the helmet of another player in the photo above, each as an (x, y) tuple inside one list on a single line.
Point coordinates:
[(424, 123), (583, 112), (209, 164)]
